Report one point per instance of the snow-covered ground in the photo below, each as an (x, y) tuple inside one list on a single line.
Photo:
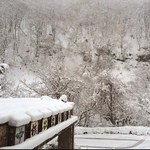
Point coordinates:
[(112, 141), (127, 137)]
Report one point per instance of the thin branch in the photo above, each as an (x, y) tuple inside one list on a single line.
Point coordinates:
[(30, 88)]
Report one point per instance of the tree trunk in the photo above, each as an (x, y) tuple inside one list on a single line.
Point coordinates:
[(111, 105)]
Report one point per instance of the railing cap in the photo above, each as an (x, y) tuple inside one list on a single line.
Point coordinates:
[(20, 119)]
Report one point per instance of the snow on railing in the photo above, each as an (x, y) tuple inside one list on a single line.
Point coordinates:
[(23, 118)]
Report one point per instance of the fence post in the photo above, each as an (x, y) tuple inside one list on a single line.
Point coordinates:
[(66, 138)]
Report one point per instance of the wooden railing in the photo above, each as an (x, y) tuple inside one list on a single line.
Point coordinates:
[(38, 132)]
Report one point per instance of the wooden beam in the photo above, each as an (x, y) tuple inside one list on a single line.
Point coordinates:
[(66, 138)]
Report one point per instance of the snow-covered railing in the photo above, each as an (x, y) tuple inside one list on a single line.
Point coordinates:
[(24, 119)]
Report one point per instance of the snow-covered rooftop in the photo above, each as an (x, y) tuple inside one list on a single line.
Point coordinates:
[(20, 111)]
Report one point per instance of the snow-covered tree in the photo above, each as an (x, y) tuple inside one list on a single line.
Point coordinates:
[(109, 95), (3, 68)]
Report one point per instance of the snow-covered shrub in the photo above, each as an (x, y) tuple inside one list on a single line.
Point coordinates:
[(140, 130)]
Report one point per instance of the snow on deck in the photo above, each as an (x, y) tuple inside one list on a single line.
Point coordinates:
[(110, 141), (20, 111), (43, 136), (127, 137)]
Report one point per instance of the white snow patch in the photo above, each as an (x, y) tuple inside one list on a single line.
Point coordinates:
[(35, 115), (63, 98), (16, 110), (124, 74), (46, 112), (4, 65), (19, 119), (108, 141)]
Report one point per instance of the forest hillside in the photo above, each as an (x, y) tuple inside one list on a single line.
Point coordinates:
[(97, 52)]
